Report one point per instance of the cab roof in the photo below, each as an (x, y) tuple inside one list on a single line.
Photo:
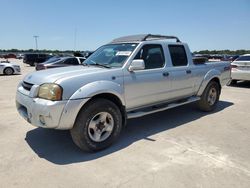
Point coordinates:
[(144, 37)]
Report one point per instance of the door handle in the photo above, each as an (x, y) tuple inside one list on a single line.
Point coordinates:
[(165, 74), (188, 71)]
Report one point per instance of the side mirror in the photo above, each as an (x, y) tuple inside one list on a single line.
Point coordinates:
[(137, 64)]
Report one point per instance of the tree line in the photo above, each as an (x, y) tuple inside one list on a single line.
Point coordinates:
[(225, 52), (208, 52), (35, 51)]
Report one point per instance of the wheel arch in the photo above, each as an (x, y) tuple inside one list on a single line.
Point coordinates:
[(113, 98), (217, 80), (108, 96), (8, 68), (213, 75)]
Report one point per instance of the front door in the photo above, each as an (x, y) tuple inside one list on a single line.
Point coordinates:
[(148, 86)]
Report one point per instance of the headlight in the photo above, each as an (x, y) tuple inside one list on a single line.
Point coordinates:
[(50, 91)]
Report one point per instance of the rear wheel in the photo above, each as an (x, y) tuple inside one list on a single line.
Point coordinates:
[(97, 126), (210, 97), (8, 71)]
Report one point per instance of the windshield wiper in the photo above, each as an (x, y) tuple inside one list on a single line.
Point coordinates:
[(100, 65)]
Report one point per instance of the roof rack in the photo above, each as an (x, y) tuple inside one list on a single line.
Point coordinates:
[(144, 37), (160, 37)]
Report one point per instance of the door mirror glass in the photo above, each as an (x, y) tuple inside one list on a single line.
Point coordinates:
[(137, 64)]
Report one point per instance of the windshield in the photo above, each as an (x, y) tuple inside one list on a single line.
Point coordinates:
[(111, 55)]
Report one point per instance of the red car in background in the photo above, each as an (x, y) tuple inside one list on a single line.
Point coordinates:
[(7, 56)]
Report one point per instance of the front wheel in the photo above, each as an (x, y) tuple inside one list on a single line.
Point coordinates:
[(98, 125), (210, 97)]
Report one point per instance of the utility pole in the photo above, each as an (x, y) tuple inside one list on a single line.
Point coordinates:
[(75, 39), (35, 37)]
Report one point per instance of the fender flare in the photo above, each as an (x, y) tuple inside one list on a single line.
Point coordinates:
[(207, 78), (99, 87)]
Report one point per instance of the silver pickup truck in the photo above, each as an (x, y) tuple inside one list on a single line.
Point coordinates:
[(130, 77)]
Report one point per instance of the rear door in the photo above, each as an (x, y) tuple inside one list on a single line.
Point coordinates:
[(182, 79)]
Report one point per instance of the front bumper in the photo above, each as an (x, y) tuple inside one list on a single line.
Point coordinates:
[(48, 114)]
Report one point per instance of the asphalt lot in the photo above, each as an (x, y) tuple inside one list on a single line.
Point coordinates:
[(181, 147)]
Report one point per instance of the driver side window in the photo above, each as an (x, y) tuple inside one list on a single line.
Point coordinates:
[(153, 56)]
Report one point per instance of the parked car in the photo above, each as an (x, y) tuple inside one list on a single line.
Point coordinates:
[(7, 56), (8, 68), (199, 60), (60, 62), (229, 57), (128, 78), (215, 58), (35, 58), (233, 57), (20, 56), (241, 69)]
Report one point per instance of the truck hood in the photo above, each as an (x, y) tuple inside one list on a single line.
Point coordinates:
[(52, 75)]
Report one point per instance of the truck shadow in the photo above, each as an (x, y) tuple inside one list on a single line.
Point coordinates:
[(58, 147), (241, 84)]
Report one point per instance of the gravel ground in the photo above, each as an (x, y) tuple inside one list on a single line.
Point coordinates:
[(181, 147)]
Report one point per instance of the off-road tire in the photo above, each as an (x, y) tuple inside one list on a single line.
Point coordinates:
[(203, 103), (80, 133)]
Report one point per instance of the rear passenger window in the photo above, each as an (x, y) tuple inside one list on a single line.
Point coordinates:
[(178, 55), (153, 56)]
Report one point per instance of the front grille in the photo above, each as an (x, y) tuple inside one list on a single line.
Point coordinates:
[(27, 85)]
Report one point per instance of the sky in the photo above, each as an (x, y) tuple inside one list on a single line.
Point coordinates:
[(86, 25)]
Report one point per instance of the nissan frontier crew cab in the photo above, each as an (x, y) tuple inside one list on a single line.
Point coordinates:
[(130, 77)]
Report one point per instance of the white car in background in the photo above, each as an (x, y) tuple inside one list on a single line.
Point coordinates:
[(8, 68), (241, 69)]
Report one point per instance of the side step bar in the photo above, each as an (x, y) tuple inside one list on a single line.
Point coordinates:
[(159, 108)]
